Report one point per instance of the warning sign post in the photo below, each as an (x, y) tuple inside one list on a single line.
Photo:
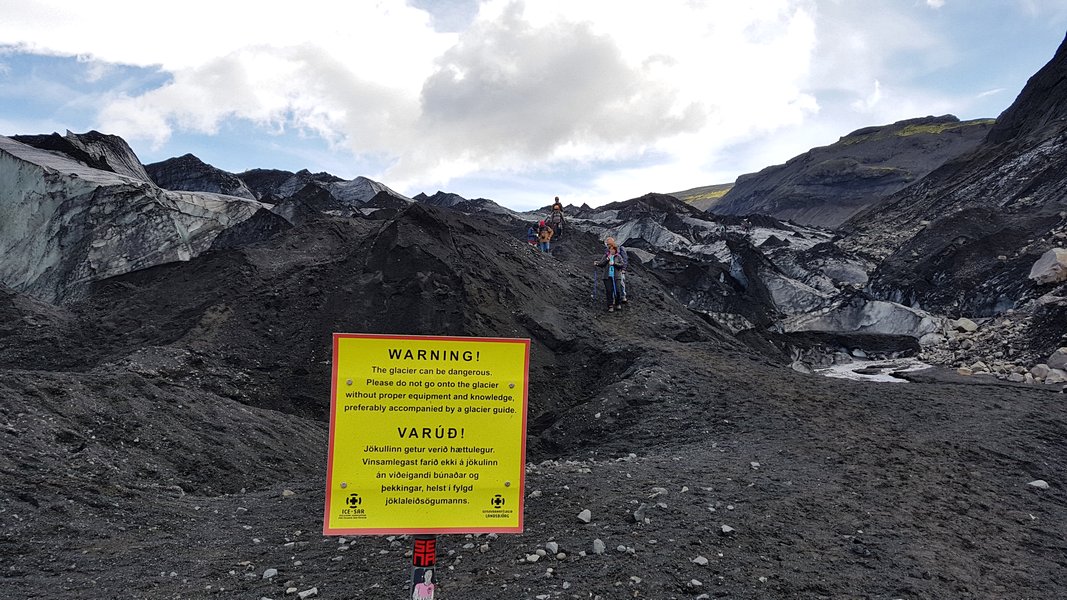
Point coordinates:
[(427, 435)]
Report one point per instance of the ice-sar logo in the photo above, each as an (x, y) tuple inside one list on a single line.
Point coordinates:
[(353, 500), (498, 501)]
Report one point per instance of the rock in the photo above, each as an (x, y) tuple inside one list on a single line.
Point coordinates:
[(270, 573), (754, 465), (598, 546), (1050, 268), (288, 493), (639, 514), (1056, 376), (700, 560), (931, 339), (979, 367), (727, 530), (859, 353), (1058, 360), (1040, 484), (532, 558), (1040, 371), (964, 324), (801, 367), (304, 595), (585, 516), (964, 371), (1016, 378), (552, 547)]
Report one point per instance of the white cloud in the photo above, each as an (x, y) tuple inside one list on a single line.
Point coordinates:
[(520, 89), (935, 3)]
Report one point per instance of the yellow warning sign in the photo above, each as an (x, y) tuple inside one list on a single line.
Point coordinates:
[(427, 435)]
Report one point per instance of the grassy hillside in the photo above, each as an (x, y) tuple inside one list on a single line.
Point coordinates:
[(704, 197)]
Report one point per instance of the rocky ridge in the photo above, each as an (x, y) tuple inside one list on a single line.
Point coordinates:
[(828, 185), (189, 173)]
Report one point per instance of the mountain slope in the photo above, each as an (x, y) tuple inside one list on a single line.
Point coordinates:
[(171, 421), (191, 174), (826, 186), (963, 239)]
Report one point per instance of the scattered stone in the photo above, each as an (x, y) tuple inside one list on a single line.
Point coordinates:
[(1016, 378), (727, 530), (585, 516), (1040, 371), (695, 583), (304, 595), (1040, 484), (754, 465), (964, 371), (541, 552), (658, 491), (964, 324), (639, 514), (700, 560), (598, 547), (288, 493), (532, 558), (270, 573), (552, 547)]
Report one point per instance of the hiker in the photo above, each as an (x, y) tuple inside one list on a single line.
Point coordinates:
[(531, 235), (556, 219), (544, 236), (611, 263), (620, 269)]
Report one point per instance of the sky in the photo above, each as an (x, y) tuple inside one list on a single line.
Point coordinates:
[(592, 101)]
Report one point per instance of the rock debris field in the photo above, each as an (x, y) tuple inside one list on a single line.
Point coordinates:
[(165, 437)]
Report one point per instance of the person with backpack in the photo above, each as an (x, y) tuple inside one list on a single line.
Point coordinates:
[(531, 234), (620, 275), (611, 263), (544, 236), (556, 219)]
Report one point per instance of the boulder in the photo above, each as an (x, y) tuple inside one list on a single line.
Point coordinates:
[(1040, 371), (1058, 360), (1050, 268), (1056, 376), (964, 324)]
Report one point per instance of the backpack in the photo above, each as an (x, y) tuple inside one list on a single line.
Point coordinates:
[(624, 257)]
